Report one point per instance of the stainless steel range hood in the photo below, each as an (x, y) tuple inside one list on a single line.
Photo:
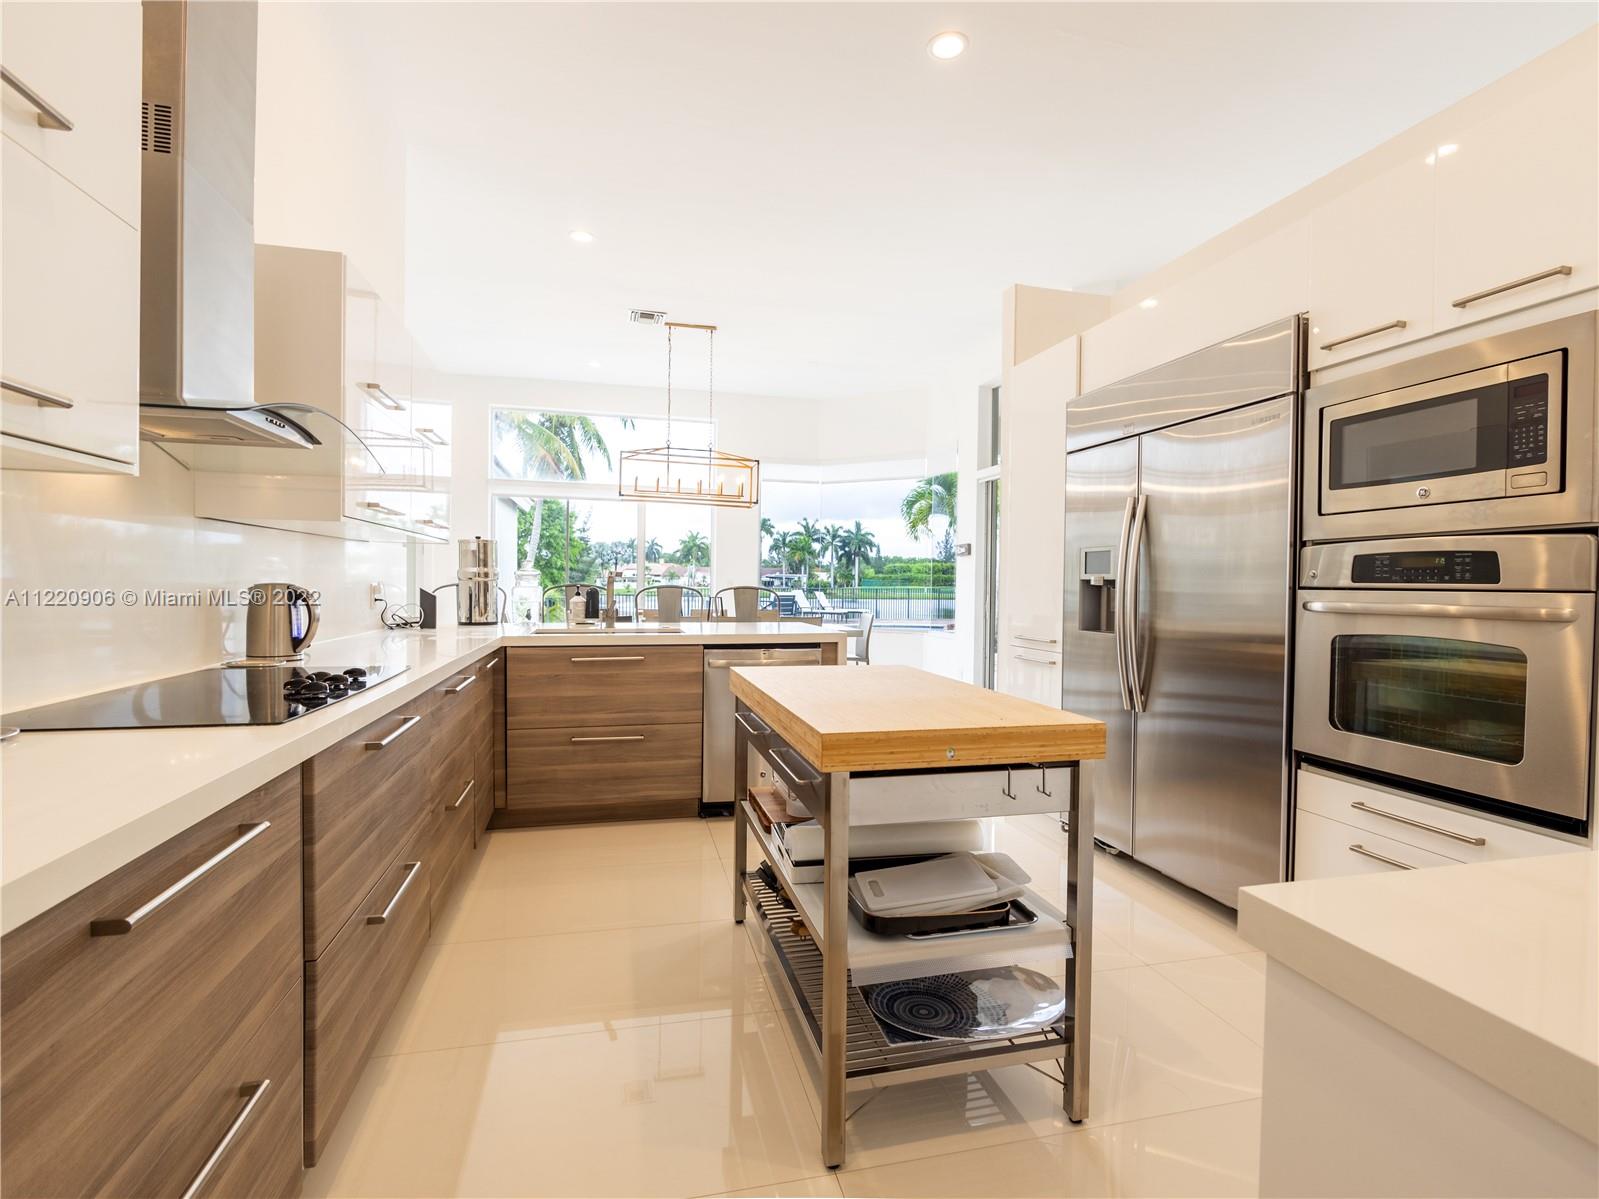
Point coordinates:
[(197, 235)]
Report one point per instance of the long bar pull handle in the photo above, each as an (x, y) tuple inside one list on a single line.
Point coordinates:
[(50, 117), (432, 436), (1038, 640), (1551, 273), (461, 799), (1364, 333), (753, 724), (382, 917), (37, 393), (1119, 616), (1441, 611), (252, 1092), (1135, 545), (406, 725), (1431, 828), (383, 508), (1377, 857), (780, 758), (1023, 656), (117, 926), (462, 685), (384, 399), (619, 737), (612, 658)]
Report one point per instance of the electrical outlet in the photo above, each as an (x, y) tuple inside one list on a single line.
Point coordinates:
[(379, 594)]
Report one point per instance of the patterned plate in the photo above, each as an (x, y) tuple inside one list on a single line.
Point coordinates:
[(1006, 1001)]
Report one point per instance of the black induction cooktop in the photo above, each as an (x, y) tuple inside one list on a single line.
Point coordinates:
[(222, 695)]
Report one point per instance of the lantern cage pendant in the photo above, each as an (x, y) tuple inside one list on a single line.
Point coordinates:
[(668, 473)]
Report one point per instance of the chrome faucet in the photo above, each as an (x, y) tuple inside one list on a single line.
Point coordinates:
[(610, 599)]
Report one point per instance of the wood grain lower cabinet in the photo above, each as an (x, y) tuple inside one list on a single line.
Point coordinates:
[(607, 772), (453, 819), (560, 686), (127, 1010), (353, 986)]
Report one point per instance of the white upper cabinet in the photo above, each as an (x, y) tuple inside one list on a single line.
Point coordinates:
[(69, 207), (1371, 265), (1518, 197), (1263, 281), (83, 62)]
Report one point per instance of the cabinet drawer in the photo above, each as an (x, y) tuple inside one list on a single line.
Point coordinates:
[(1440, 828), (351, 989), (455, 809), (71, 280), (85, 61), (1326, 848), (361, 805), (560, 687), (621, 772), (105, 1034)]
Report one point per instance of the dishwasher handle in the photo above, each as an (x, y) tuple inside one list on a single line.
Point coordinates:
[(774, 657)]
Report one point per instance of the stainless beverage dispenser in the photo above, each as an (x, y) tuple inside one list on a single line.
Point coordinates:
[(477, 583)]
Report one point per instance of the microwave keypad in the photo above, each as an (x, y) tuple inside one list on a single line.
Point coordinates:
[(1529, 421), (1476, 567)]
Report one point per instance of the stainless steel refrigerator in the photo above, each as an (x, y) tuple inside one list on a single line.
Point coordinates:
[(1180, 535)]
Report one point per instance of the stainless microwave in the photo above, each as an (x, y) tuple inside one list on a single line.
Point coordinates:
[(1496, 434)]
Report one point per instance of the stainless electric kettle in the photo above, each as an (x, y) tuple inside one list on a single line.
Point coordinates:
[(280, 622)]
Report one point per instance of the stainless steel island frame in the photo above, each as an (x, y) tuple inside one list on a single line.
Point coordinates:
[(854, 1053)]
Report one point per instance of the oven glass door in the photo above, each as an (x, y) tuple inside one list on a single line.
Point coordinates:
[(1489, 694)]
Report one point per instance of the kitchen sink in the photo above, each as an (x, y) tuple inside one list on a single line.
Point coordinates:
[(587, 630)]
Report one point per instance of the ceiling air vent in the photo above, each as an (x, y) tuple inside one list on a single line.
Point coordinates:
[(645, 316), (155, 128)]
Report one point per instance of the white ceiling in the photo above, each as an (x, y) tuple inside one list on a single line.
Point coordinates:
[(847, 209)]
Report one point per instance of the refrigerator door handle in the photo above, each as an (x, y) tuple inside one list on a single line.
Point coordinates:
[(1135, 544), (1121, 604)]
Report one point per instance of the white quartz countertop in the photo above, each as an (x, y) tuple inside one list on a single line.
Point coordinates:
[(1493, 965), (75, 806)]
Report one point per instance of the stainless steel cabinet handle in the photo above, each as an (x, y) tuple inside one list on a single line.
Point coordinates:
[(791, 770), (628, 737), (252, 1092), (490, 663), (383, 508), (37, 393), (1119, 614), (461, 799), (382, 917), (406, 725), (462, 685), (50, 117), (431, 436), (117, 926), (1431, 828), (1442, 611), (1372, 332), (1511, 286), (1023, 657), (1037, 640), (753, 724), (375, 390), (1377, 857), (612, 658), (432, 524), (1135, 544)]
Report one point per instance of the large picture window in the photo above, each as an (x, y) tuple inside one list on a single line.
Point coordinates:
[(575, 447)]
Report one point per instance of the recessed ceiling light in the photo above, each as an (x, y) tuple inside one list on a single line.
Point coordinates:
[(1149, 303), (581, 236), (947, 45)]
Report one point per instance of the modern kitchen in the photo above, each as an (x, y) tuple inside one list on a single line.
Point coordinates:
[(798, 599)]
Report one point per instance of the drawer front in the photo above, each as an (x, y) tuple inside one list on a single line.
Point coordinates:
[(456, 703), (71, 280), (361, 806), (1440, 828), (253, 1089), (351, 989), (619, 772), (1329, 849), (453, 822), (561, 687), (104, 1034)]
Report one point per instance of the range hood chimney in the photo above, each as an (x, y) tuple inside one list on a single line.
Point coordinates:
[(197, 230)]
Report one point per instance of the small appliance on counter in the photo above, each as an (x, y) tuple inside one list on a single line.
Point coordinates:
[(281, 621), (479, 598)]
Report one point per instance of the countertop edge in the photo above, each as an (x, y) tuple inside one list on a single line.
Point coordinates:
[(1547, 1077)]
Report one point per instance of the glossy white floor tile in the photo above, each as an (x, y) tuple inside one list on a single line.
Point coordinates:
[(588, 1021)]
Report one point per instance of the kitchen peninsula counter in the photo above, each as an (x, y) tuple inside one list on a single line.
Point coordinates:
[(75, 806)]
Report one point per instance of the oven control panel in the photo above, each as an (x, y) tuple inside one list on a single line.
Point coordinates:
[(1528, 421), (1444, 566)]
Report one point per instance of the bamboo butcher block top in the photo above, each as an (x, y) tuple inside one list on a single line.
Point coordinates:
[(899, 718)]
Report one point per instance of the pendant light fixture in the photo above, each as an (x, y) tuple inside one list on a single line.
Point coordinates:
[(692, 475)]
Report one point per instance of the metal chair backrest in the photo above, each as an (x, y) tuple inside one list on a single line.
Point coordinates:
[(861, 651), (669, 602), (566, 591), (748, 602)]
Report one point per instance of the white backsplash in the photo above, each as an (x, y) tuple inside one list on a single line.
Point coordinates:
[(108, 533)]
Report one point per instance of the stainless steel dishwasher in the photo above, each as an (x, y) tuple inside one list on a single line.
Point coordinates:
[(716, 761)]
